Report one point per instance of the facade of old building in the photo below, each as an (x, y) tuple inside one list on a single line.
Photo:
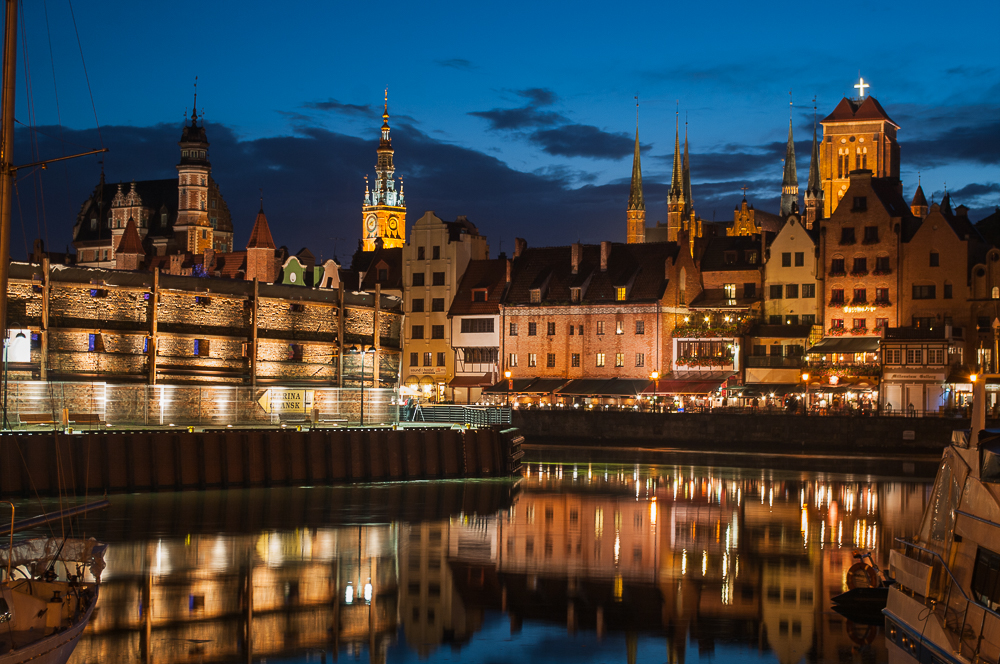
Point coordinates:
[(476, 325), (433, 262), (87, 324), (791, 284), (596, 311), (185, 215)]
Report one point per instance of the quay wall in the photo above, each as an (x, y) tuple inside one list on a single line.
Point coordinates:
[(765, 433), (92, 463)]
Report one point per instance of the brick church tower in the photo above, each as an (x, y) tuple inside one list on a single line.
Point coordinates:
[(192, 230), (636, 215), (383, 215)]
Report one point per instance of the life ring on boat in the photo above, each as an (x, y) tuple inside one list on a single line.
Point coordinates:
[(861, 575), (862, 635)]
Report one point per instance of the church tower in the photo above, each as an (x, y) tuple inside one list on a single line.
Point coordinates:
[(192, 230), (636, 215), (384, 210), (675, 198), (814, 192), (858, 134), (790, 179)]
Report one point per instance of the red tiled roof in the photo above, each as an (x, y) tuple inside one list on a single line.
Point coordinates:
[(852, 110), (392, 261), (231, 264), (489, 274), (130, 242), (260, 236)]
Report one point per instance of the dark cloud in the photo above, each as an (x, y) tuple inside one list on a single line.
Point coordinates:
[(456, 63), (527, 117), (575, 140), (538, 96), (334, 106), (975, 143)]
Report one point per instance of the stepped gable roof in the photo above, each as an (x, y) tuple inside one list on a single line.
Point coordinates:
[(642, 265), (393, 261), (130, 242), (154, 194), (490, 274), (854, 110), (260, 236), (713, 257)]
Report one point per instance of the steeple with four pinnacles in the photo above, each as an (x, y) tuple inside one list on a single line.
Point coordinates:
[(636, 214), (790, 179), (676, 204)]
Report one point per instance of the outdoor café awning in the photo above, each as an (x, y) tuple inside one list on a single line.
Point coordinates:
[(500, 387), (689, 382), (768, 389), (615, 387), (475, 380), (527, 386), (832, 345)]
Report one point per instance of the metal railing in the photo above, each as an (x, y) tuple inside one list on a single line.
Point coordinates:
[(471, 415), (949, 611)]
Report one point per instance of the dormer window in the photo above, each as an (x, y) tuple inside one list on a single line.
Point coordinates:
[(730, 257), (479, 295), (751, 256), (574, 295), (620, 293), (93, 223), (536, 295)]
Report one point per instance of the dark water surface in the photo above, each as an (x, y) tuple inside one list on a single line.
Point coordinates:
[(573, 563)]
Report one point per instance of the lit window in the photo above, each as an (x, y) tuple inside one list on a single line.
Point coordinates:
[(600, 359), (620, 293), (619, 359), (619, 327)]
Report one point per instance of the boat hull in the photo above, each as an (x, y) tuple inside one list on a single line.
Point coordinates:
[(55, 648)]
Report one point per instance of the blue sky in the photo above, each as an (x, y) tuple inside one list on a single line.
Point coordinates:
[(519, 115)]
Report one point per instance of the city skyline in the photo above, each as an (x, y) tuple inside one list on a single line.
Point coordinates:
[(525, 142)]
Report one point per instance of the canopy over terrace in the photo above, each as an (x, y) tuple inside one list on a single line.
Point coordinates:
[(614, 387), (689, 383), (527, 386), (845, 346)]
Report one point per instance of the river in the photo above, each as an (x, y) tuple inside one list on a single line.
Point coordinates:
[(572, 563)]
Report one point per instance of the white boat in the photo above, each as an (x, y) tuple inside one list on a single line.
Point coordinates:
[(46, 598), (944, 606)]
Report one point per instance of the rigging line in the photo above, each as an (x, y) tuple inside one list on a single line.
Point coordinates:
[(33, 139), (20, 216), (85, 74), (31, 481), (55, 87)]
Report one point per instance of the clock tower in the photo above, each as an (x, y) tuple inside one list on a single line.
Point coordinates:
[(384, 210)]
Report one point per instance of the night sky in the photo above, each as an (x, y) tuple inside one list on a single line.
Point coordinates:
[(518, 115)]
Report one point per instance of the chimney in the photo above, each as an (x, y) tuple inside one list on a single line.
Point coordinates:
[(576, 253), (605, 252), (520, 244), (508, 262)]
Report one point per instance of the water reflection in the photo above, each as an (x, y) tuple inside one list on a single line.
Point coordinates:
[(585, 563)]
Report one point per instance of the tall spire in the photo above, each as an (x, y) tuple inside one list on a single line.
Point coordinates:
[(814, 188), (636, 214), (790, 180), (675, 199), (385, 141), (677, 180), (686, 175), (194, 107)]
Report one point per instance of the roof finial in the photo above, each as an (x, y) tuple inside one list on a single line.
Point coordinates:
[(194, 107), (637, 111), (918, 177), (262, 199), (789, 104)]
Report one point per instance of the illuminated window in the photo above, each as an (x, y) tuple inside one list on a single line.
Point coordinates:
[(600, 359), (619, 359), (619, 327), (532, 359), (640, 359), (620, 293), (513, 360), (600, 327)]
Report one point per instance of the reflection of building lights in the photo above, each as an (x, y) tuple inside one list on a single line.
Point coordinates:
[(368, 591), (618, 587), (684, 562), (704, 563), (652, 512), (349, 593)]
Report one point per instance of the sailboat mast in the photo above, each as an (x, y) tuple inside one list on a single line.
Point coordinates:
[(7, 169)]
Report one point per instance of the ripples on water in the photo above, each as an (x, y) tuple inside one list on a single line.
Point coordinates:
[(586, 563)]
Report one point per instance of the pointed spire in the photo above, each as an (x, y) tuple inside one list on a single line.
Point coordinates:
[(194, 106), (260, 236), (677, 179), (385, 142), (790, 180), (686, 175), (130, 243), (813, 186), (636, 201), (918, 197)]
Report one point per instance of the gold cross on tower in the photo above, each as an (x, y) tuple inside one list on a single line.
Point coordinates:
[(861, 85)]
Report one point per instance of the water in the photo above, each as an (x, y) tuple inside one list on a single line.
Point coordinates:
[(584, 563)]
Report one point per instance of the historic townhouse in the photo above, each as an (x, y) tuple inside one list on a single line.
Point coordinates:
[(596, 311), (476, 326), (434, 259)]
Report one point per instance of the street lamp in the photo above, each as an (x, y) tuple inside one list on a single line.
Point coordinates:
[(6, 359), (506, 374), (655, 377), (805, 394)]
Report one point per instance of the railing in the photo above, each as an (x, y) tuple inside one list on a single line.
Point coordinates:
[(774, 361), (974, 644), (471, 415)]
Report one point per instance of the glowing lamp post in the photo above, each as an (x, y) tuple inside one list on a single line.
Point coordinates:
[(655, 377), (506, 374), (805, 394)]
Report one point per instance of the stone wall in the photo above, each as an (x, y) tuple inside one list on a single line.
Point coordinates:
[(746, 433)]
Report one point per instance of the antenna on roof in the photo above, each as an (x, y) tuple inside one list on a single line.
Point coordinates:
[(262, 199)]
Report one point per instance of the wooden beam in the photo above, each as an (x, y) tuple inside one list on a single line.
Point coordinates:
[(154, 309), (253, 333), (375, 334), (340, 339), (44, 332)]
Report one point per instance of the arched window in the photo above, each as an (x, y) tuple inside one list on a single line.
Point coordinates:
[(864, 158), (996, 292), (857, 158)]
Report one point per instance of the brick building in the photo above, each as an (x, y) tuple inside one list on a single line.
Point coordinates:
[(433, 261), (186, 214), (596, 311)]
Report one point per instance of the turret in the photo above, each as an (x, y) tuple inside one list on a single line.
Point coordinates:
[(193, 231), (919, 205)]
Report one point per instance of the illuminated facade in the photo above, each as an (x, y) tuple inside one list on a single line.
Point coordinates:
[(384, 211), (858, 134)]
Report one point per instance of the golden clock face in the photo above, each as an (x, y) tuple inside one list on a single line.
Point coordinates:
[(371, 224), (392, 223)]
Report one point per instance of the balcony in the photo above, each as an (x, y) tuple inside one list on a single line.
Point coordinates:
[(774, 362)]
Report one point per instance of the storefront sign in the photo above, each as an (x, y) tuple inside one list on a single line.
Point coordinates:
[(277, 400), (859, 309), (937, 377)]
